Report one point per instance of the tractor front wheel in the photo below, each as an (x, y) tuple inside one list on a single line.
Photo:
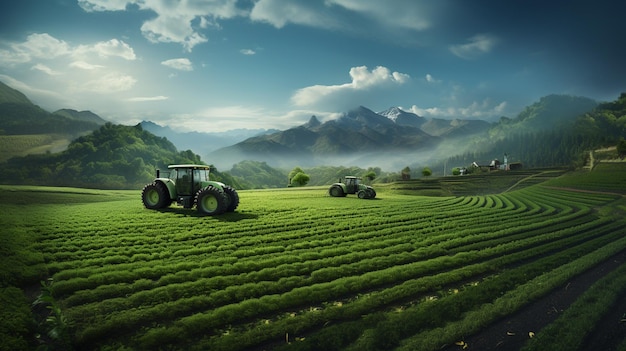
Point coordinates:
[(362, 194), (371, 193), (211, 201), (233, 198), (336, 191), (155, 196)]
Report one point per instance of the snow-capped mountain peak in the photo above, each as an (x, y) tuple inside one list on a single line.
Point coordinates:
[(403, 118), (392, 113)]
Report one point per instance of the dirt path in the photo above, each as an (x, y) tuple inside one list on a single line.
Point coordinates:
[(524, 180), (512, 332)]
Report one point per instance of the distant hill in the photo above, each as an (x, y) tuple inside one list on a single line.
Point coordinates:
[(18, 115), (26, 128), (84, 116), (550, 112), (565, 137), (10, 95), (112, 157), (201, 142), (255, 174)]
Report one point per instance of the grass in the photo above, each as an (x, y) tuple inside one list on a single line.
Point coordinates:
[(295, 268)]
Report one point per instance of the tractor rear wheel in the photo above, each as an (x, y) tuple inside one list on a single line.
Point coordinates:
[(232, 197), (211, 201), (336, 191), (155, 196)]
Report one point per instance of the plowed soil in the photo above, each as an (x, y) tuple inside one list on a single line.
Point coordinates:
[(512, 332)]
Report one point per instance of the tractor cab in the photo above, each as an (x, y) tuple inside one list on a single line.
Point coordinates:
[(352, 184), (189, 180)]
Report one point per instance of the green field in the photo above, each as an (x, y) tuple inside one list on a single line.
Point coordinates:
[(22, 145), (295, 269)]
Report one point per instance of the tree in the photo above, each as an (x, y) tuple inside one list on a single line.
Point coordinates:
[(371, 175), (293, 173), (621, 148), (406, 173), (297, 177), (427, 172), (300, 179)]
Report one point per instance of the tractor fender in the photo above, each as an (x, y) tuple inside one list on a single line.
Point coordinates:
[(342, 185), (219, 185), (169, 184)]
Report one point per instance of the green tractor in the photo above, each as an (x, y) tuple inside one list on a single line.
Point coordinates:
[(189, 185), (352, 185)]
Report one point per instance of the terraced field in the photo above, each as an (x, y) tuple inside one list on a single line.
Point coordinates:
[(295, 269)]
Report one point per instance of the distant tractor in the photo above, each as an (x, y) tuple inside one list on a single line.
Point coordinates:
[(351, 185), (189, 185)]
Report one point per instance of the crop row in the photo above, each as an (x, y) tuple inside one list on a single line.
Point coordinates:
[(246, 292), (417, 278), (304, 264), (248, 259)]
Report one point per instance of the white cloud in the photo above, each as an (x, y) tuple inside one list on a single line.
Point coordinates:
[(484, 109), (408, 14), (147, 98), (183, 22), (430, 79), (362, 80), (168, 29), (116, 48), (175, 21), (110, 83), (247, 51), (84, 65), (43, 46), (279, 13), (223, 118), (36, 46), (478, 45), (404, 14), (45, 69), (103, 5), (181, 64)]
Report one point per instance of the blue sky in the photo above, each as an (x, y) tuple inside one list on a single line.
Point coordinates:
[(215, 65)]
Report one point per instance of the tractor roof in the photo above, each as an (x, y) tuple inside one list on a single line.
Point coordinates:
[(352, 177), (189, 166)]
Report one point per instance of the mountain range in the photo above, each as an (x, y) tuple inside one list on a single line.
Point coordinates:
[(202, 142), (360, 136), (19, 116), (390, 139)]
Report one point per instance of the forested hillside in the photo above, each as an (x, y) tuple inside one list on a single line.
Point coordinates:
[(549, 113), (18, 115), (112, 157), (564, 146), (26, 128), (255, 174), (8, 94)]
